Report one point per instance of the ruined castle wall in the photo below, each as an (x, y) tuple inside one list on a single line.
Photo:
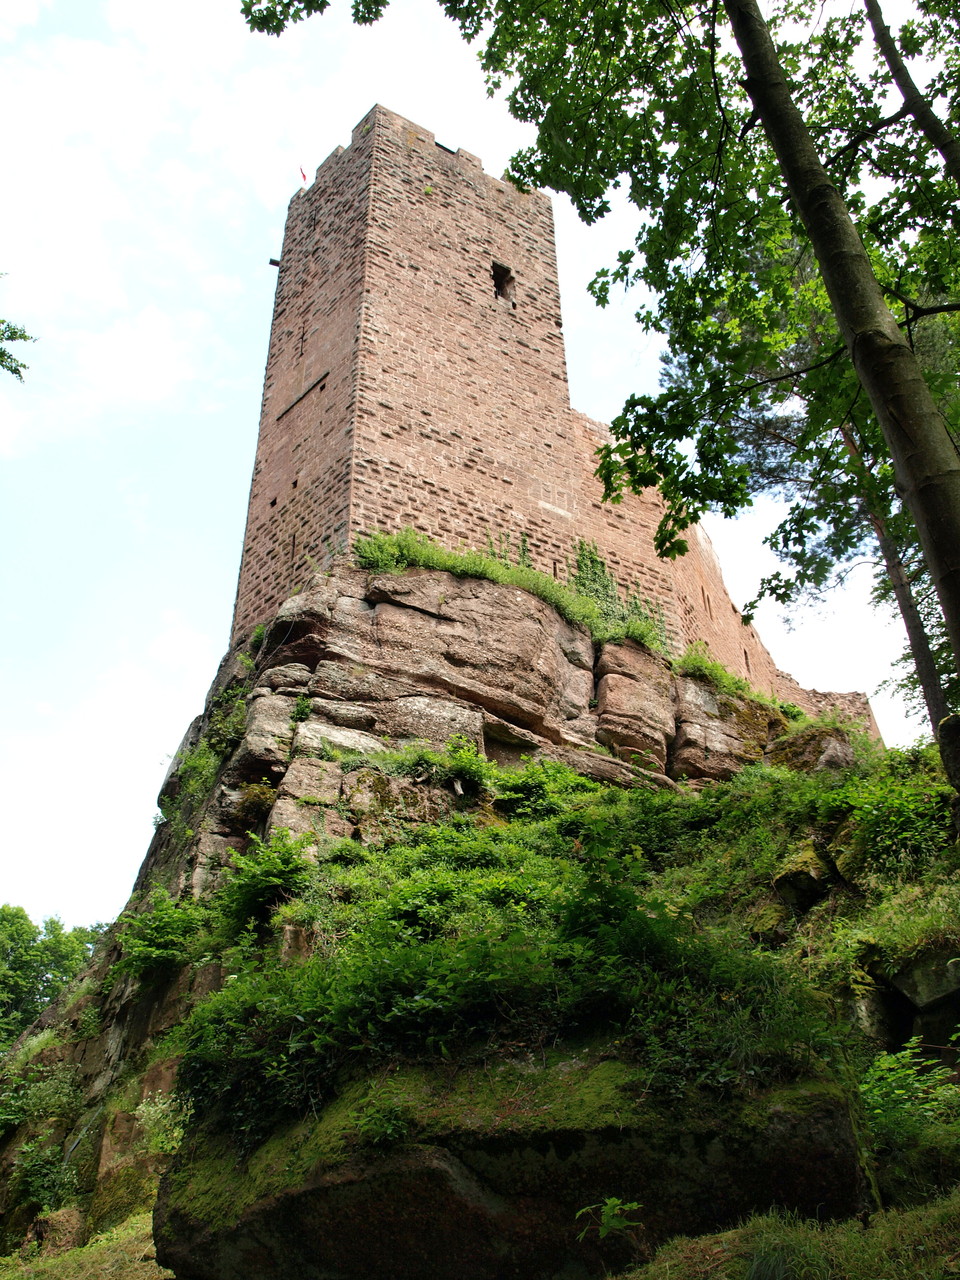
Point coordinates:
[(463, 424), (300, 495), (417, 376)]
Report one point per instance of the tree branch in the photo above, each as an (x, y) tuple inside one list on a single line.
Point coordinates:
[(929, 123), (917, 309)]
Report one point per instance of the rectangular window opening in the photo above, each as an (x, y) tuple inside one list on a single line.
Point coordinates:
[(504, 283)]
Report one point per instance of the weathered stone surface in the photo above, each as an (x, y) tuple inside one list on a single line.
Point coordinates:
[(636, 715), (211, 853), (377, 802), (308, 778), (293, 675), (350, 681), (427, 655), (810, 749), (435, 719), (349, 715), (289, 815), (883, 1014), (267, 737), (803, 880), (436, 633), (716, 735), (606, 768), (835, 755), (312, 737), (929, 978)]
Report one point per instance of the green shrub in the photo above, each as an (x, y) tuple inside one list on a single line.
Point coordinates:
[(792, 712), (52, 1093), (904, 1093), (541, 789), (155, 943), (256, 801), (382, 1122), (696, 661), (42, 1177), (474, 935), (901, 815), (609, 1217), (301, 708), (271, 872), (163, 1120), (460, 764), (196, 773), (227, 720)]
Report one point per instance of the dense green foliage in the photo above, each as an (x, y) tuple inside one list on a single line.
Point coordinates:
[(36, 963), (590, 597), (155, 943), (550, 909), (552, 906), (197, 766), (457, 937)]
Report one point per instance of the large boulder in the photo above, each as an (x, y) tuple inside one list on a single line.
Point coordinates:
[(495, 1168)]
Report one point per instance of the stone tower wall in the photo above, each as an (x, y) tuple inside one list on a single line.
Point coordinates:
[(417, 376)]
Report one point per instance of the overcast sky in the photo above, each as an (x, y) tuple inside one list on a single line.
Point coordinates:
[(149, 154)]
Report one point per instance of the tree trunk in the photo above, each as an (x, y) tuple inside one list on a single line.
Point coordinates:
[(929, 123), (925, 461), (923, 659)]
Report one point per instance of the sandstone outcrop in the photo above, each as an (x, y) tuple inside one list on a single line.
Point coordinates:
[(354, 666), (410, 656)]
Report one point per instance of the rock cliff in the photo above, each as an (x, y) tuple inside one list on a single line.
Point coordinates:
[(498, 1149)]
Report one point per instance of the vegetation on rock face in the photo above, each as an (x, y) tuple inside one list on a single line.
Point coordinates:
[(692, 948), (563, 907), (590, 597), (452, 939), (197, 767)]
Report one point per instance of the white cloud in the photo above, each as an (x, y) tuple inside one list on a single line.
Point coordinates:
[(25, 13)]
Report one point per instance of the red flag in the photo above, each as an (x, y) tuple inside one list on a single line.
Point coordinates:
[(302, 174)]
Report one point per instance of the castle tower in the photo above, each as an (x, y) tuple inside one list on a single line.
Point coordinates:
[(416, 376)]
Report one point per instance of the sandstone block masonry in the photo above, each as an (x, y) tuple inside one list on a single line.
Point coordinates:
[(416, 376)]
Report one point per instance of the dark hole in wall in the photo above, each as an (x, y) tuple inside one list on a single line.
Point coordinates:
[(504, 282)]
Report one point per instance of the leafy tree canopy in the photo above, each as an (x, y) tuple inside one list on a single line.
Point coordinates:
[(8, 361), (36, 963)]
